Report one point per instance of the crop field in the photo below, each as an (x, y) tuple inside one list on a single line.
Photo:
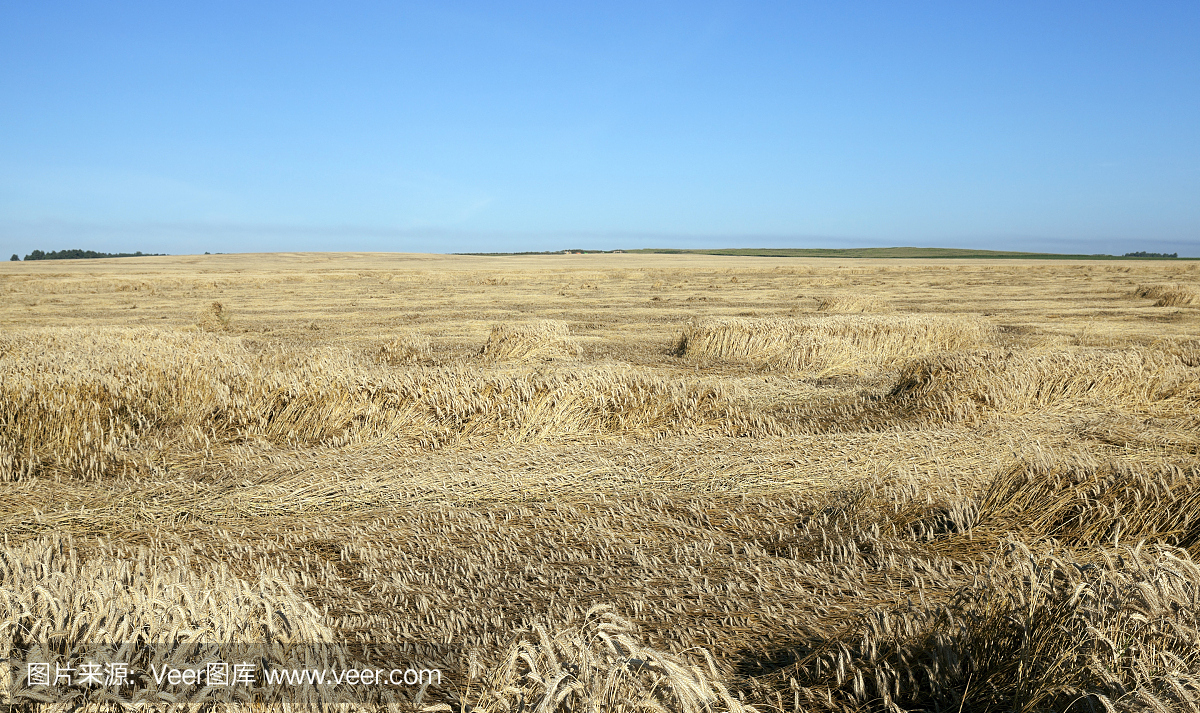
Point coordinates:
[(618, 482)]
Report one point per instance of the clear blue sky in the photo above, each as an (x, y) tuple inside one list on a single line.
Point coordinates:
[(241, 126)]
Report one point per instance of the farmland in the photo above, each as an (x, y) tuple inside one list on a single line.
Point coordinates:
[(621, 481)]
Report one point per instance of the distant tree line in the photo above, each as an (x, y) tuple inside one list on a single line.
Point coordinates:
[(1146, 254), (79, 255)]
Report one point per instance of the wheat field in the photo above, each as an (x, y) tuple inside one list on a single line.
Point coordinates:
[(614, 482)]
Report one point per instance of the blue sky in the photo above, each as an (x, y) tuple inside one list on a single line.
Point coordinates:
[(439, 127)]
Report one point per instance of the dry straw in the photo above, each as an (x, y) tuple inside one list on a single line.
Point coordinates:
[(1085, 502), (961, 387), (1177, 298), (1168, 295), (407, 348), (878, 597), (215, 318), (853, 304), (144, 609), (1104, 616), (916, 549), (98, 403), (600, 665), (1045, 631), (827, 346), (544, 339)]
